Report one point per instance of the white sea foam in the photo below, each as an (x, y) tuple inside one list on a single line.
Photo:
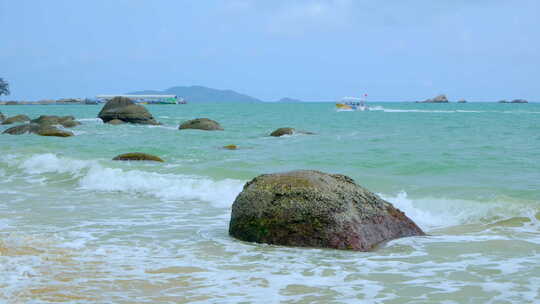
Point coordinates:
[(97, 177), (163, 186), (430, 213)]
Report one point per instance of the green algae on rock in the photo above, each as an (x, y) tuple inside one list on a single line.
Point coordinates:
[(39, 129), (138, 156), (315, 209)]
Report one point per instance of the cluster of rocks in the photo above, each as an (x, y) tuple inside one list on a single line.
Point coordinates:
[(438, 99), (514, 101), (44, 125), (299, 208)]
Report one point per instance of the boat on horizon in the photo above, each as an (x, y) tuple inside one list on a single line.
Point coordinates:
[(352, 104)]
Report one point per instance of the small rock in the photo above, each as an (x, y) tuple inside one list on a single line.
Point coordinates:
[(201, 124), (2, 117), (282, 131), (115, 122), (230, 147), (438, 99), (138, 156)]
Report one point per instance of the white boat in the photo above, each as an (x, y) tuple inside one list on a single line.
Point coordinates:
[(352, 104)]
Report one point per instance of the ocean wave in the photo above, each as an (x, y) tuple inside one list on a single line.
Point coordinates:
[(95, 176)]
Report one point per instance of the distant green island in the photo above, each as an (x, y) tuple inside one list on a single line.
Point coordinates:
[(205, 94), (202, 94)]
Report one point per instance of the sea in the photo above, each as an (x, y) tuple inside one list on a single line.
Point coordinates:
[(77, 227)]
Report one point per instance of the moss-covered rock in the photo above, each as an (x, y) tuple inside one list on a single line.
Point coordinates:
[(15, 119), (138, 156), (126, 110), (65, 121), (201, 124), (315, 209), (282, 131)]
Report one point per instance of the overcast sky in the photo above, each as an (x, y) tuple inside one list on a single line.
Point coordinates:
[(308, 49)]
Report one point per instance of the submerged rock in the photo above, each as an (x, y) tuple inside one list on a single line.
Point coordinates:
[(115, 122), (201, 124), (315, 209), (16, 118), (138, 156), (39, 129), (230, 147), (126, 110), (282, 131)]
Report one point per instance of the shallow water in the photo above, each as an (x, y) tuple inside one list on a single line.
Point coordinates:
[(77, 227)]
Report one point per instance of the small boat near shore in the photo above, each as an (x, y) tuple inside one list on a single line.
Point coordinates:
[(352, 104)]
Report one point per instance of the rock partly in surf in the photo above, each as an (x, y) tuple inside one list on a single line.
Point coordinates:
[(315, 209), (39, 129), (201, 124), (15, 119), (126, 110), (65, 121), (138, 156), (2, 117), (282, 131)]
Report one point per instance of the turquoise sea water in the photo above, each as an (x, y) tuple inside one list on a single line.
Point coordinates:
[(77, 227)]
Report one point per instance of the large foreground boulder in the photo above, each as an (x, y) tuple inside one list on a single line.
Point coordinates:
[(126, 110), (15, 119), (315, 209), (201, 124), (39, 129), (138, 156)]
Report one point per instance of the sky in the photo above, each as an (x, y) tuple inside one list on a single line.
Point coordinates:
[(393, 50)]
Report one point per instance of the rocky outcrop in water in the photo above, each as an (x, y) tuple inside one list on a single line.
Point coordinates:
[(2, 117), (65, 121), (15, 119), (39, 129), (315, 209), (289, 131), (462, 101), (230, 147), (201, 124), (519, 101), (138, 156), (282, 131), (438, 99), (126, 110)]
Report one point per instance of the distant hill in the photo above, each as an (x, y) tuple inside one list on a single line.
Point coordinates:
[(203, 94), (287, 99)]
